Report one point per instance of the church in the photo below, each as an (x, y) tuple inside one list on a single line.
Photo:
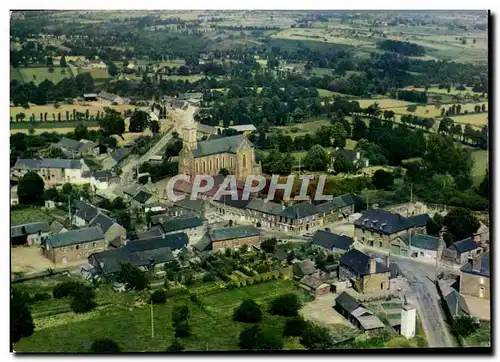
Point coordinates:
[(235, 153)]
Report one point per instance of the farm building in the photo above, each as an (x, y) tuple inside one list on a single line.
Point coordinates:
[(338, 208), (304, 268), (234, 237), (53, 171), (357, 314), (73, 245), (314, 285), (30, 234), (460, 251), (194, 227), (420, 246), (354, 156), (90, 97), (475, 277)]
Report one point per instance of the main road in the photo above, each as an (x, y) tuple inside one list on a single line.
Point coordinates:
[(180, 117)]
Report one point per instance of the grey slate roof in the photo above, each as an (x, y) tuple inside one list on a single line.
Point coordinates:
[(73, 237), (69, 144), (106, 95), (262, 206), (102, 175), (205, 243), (173, 241), (219, 145), (119, 154), (29, 229), (456, 303), (311, 281), (142, 196), (347, 302), (280, 253), (385, 222), (85, 211), (193, 95), (426, 242), (104, 221), (360, 262), (234, 233), (419, 220), (193, 205), (483, 263), (36, 164), (299, 211), (337, 203), (329, 240), (181, 224), (306, 266), (151, 233), (464, 245)]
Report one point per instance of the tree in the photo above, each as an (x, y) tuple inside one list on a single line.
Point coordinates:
[(158, 297), (83, 298), (224, 172), (112, 69), (30, 188), (112, 122), (484, 186), (138, 121), (21, 321), (286, 305), (434, 225), (359, 130), (180, 321), (133, 277), (176, 346), (81, 131), (248, 312), (104, 345), (461, 223), (154, 126), (316, 159), (464, 325), (343, 164), (294, 327), (268, 245), (316, 337), (62, 62), (382, 180), (254, 338)]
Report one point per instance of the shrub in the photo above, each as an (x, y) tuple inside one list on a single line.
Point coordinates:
[(253, 338), (465, 325), (158, 297), (64, 289), (176, 346), (209, 277), (182, 330), (248, 312), (294, 327), (315, 337), (37, 297), (83, 299), (104, 345), (286, 305)]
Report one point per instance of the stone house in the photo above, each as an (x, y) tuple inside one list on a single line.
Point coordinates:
[(337, 209), (115, 158), (194, 227), (461, 251), (142, 198), (263, 213), (331, 242), (299, 218), (54, 171), (176, 242), (84, 213), (314, 285), (475, 277), (304, 268), (365, 273), (378, 228), (234, 237), (115, 235), (100, 180), (30, 234), (73, 148), (420, 246), (357, 314), (73, 245)]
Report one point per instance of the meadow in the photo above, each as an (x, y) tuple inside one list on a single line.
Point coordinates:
[(128, 322), (92, 107), (39, 74), (480, 158), (383, 103), (432, 111), (444, 90)]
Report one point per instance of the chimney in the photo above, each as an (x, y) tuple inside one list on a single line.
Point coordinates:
[(476, 264), (373, 265)]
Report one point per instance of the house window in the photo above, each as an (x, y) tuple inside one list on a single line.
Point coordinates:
[(210, 165), (244, 160), (197, 167), (380, 244), (217, 163), (77, 247), (230, 162)]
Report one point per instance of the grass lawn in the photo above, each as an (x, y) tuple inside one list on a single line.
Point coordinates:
[(15, 74), (432, 111), (129, 324), (476, 119), (300, 129), (189, 78), (480, 158), (33, 214), (38, 75), (96, 73)]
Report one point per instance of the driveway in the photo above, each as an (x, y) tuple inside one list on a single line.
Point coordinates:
[(321, 311)]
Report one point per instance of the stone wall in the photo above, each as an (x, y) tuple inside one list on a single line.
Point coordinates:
[(475, 285), (234, 243), (75, 252)]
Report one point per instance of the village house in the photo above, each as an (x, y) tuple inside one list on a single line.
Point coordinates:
[(100, 180), (114, 234), (30, 234), (475, 277), (53, 171), (380, 228), (299, 218), (234, 237), (73, 245), (338, 208), (75, 149), (56, 227), (314, 285), (193, 227), (364, 272), (115, 158), (147, 254), (110, 98), (331, 242), (420, 246), (84, 213), (357, 314), (354, 156), (461, 251), (482, 236), (262, 213), (245, 129), (235, 153)]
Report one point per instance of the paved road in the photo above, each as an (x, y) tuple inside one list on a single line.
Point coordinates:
[(180, 117), (422, 291)]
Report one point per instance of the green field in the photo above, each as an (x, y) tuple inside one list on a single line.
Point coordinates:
[(480, 158), (15, 74), (129, 324), (33, 214), (444, 90), (51, 125), (95, 73), (38, 75)]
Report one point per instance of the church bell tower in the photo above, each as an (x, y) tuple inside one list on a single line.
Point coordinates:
[(189, 140)]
